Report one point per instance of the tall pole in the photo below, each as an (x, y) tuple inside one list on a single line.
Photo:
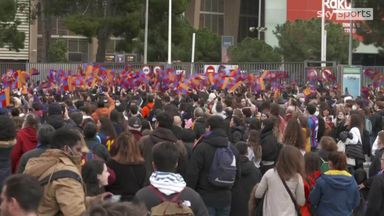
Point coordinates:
[(323, 42), (259, 21), (146, 32), (193, 52), (170, 33), (350, 37)]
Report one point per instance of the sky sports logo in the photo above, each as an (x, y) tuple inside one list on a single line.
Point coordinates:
[(354, 14)]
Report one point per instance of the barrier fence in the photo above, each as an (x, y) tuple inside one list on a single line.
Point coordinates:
[(296, 70)]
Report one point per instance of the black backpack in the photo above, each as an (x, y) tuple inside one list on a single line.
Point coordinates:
[(223, 168)]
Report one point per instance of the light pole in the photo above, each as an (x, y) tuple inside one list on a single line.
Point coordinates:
[(146, 32), (259, 21), (170, 33), (350, 37), (323, 35)]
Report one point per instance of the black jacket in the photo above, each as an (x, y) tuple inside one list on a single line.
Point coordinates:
[(150, 199), (146, 144), (377, 122), (376, 163), (376, 197), (269, 146), (130, 178), (200, 164), (241, 192)]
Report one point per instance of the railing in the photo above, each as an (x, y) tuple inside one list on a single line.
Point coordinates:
[(296, 70)]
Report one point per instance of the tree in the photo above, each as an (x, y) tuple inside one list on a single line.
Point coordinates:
[(207, 43), (105, 18), (9, 35), (57, 52), (373, 30), (253, 50), (301, 40)]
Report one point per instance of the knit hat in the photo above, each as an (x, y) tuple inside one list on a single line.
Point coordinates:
[(134, 122)]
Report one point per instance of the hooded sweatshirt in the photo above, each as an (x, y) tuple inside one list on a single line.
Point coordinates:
[(335, 193), (26, 140), (169, 185)]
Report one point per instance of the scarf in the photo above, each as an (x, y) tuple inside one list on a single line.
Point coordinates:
[(167, 183)]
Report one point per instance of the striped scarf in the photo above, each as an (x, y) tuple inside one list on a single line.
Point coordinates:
[(167, 183)]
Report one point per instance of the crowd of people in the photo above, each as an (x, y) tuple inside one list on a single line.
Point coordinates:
[(111, 151)]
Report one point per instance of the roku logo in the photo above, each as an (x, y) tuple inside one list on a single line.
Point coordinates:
[(337, 4)]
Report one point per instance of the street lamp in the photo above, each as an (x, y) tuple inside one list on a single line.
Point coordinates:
[(170, 32), (146, 32)]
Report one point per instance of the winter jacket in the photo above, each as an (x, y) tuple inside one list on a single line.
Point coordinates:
[(241, 192), (276, 198), (335, 193), (147, 109), (377, 122), (375, 167), (5, 163), (97, 148), (65, 195), (199, 167), (376, 197), (26, 140), (160, 134), (269, 145), (129, 179)]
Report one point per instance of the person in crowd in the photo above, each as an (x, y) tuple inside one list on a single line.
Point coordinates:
[(107, 133), (95, 176), (269, 145), (20, 196), (199, 123), (375, 198), (335, 192), (177, 128), (294, 136), (352, 140), (250, 175), (93, 143), (281, 123), (128, 166), (306, 133), (145, 111), (44, 135), (162, 133), (237, 130), (58, 170), (105, 105), (375, 166), (341, 124), (117, 119), (78, 119), (217, 199), (26, 140), (312, 163), (327, 146), (117, 209), (7, 142), (376, 119), (313, 125), (254, 147), (166, 184), (135, 127), (282, 187)]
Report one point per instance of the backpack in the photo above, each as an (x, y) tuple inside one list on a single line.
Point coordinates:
[(59, 175), (223, 168), (170, 207), (324, 166)]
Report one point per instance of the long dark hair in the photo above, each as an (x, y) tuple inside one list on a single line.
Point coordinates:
[(312, 163), (293, 134), (107, 128), (127, 150), (290, 162), (89, 172)]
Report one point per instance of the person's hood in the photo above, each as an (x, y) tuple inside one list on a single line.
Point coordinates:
[(8, 143), (162, 134), (37, 167), (217, 138), (29, 134), (338, 179), (167, 183)]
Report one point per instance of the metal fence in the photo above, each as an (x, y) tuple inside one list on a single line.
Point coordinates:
[(296, 70)]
